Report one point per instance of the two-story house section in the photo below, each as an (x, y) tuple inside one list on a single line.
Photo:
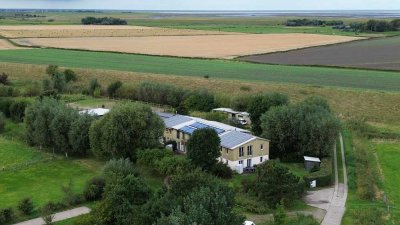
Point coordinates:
[(238, 146)]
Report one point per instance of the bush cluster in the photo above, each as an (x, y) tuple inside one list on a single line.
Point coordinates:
[(376, 26), (103, 21), (308, 22)]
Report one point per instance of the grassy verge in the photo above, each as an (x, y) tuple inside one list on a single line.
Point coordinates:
[(220, 69)]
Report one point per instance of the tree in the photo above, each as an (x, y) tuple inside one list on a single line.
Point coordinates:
[(113, 88), (60, 127), (79, 135), (261, 104), (275, 183), (51, 70), (203, 148), (94, 189), (59, 82), (70, 75), (201, 101), (120, 200), (38, 117), (25, 206), (211, 205), (298, 130), (125, 129)]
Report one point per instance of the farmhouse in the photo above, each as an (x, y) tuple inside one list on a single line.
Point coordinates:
[(239, 148), (242, 117)]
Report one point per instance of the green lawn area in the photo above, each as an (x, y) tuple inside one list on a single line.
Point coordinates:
[(14, 153), (389, 158), (219, 69), (41, 178)]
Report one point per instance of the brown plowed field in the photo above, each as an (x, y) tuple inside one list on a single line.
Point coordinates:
[(380, 53), (94, 31), (205, 46)]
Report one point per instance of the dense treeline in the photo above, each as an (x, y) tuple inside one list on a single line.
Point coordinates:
[(376, 26), (103, 21), (307, 128), (308, 22)]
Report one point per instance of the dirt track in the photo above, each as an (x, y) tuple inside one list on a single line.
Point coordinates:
[(205, 46), (54, 31)]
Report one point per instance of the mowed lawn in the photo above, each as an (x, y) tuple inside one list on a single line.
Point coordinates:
[(41, 180), (389, 158), (215, 69)]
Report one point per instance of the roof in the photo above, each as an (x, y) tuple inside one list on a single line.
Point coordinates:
[(175, 120), (95, 112), (234, 139), (229, 110), (231, 137), (311, 159)]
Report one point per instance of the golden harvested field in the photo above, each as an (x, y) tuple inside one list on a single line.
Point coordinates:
[(66, 31), (205, 46), (4, 45)]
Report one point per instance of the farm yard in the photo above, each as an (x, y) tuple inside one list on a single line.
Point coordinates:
[(199, 46), (65, 31), (380, 53)]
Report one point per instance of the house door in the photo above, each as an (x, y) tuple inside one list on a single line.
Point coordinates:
[(249, 163)]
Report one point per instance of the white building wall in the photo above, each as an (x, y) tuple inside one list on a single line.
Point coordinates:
[(255, 161)]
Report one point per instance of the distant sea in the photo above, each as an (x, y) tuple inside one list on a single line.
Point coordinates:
[(322, 13)]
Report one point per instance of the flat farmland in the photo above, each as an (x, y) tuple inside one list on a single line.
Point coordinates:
[(4, 45), (380, 53), (215, 69), (65, 31), (198, 46)]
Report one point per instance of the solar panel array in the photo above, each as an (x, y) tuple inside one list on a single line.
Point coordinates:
[(191, 128)]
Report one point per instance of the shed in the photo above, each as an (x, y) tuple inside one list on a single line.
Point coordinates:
[(311, 162)]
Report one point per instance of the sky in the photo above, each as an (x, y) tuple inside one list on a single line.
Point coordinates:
[(206, 4)]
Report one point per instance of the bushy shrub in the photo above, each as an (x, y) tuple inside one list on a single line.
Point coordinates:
[(2, 122), (25, 206), (159, 93), (4, 79), (113, 88), (94, 189), (59, 82), (6, 91), (6, 215), (52, 207), (174, 164), (70, 75), (33, 89), (51, 70), (126, 92), (369, 216), (17, 110), (149, 157), (93, 86), (201, 100), (5, 104), (222, 170), (116, 168)]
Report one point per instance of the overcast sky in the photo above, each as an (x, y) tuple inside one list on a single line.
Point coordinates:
[(206, 4)]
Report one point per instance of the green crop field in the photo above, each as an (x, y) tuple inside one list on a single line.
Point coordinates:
[(219, 69)]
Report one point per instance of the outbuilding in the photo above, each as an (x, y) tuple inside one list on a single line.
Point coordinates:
[(311, 162)]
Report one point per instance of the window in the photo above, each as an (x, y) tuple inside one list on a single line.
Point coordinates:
[(261, 159), (249, 164), (249, 150), (183, 136), (227, 151), (240, 162), (262, 147), (241, 151), (178, 134)]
